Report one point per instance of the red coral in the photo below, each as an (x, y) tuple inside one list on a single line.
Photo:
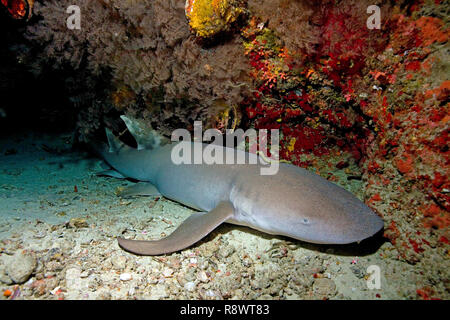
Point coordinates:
[(444, 240), (375, 197), (405, 166), (426, 293), (439, 180), (413, 66), (416, 247)]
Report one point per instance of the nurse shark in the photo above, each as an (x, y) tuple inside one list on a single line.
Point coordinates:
[(294, 202)]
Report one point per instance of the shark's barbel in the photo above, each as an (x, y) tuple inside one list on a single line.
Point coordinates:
[(294, 202)]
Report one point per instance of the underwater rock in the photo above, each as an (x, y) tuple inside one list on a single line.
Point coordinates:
[(4, 277), (21, 266)]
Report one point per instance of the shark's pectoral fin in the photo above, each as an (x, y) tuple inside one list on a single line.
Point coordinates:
[(139, 189), (111, 173), (193, 229)]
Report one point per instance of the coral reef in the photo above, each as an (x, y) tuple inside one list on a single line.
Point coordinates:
[(295, 22), (380, 96), (409, 159), (307, 93), (155, 66)]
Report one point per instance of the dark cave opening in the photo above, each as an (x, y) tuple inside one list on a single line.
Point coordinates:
[(29, 102)]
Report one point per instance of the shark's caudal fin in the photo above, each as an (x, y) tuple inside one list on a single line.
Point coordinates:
[(193, 229), (145, 136)]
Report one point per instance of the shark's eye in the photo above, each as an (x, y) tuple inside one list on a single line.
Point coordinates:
[(305, 221)]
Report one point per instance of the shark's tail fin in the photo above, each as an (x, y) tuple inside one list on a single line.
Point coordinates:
[(145, 136)]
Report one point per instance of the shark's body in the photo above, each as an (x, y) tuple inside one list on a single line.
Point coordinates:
[(294, 202)]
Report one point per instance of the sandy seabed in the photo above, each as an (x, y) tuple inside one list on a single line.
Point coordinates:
[(58, 229)]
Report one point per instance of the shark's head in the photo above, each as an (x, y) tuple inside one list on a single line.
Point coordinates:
[(304, 206), (324, 220)]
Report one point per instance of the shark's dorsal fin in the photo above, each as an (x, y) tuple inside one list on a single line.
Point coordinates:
[(145, 136), (114, 143)]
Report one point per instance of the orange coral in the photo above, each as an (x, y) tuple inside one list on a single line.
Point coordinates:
[(405, 166), (441, 93), (432, 30), (435, 217)]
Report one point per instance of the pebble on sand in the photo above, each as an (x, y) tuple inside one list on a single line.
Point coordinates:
[(189, 286), (125, 276)]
